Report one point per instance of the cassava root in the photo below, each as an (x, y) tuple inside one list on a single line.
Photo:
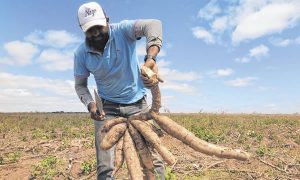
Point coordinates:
[(154, 140), (134, 137), (113, 135), (132, 159), (119, 156), (141, 148), (197, 144)]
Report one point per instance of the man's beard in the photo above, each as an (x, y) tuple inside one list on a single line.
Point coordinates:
[(98, 43)]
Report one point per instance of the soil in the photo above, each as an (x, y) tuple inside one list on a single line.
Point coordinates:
[(190, 165)]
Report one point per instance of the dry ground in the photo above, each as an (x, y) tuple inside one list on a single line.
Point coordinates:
[(61, 146)]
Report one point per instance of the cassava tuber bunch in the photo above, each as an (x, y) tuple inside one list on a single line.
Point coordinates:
[(134, 137)]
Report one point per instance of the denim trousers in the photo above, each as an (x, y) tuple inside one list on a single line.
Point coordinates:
[(105, 159)]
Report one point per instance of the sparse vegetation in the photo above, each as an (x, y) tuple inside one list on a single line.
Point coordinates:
[(274, 139), (169, 175), (47, 168), (206, 134), (14, 156), (88, 166), (261, 151), (1, 160)]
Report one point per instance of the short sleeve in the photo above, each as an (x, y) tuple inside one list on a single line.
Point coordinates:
[(80, 69)]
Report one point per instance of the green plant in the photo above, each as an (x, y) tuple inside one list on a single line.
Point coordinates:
[(254, 134), (49, 162), (14, 156), (88, 166), (206, 134), (36, 133), (1, 160), (169, 175), (261, 151), (47, 168), (259, 137)]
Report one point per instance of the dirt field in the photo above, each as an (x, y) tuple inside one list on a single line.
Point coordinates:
[(61, 146)]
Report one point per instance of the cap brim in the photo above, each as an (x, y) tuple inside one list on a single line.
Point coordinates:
[(99, 22)]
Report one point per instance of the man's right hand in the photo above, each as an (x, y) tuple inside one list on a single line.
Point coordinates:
[(95, 114)]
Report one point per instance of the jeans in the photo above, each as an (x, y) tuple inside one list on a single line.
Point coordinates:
[(105, 159)]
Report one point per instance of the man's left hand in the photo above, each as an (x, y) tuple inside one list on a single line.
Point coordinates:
[(149, 82)]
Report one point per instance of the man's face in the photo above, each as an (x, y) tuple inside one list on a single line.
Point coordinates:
[(97, 36)]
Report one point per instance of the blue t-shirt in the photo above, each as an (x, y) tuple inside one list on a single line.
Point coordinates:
[(116, 71)]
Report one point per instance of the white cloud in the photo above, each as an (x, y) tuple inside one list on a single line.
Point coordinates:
[(16, 92), (176, 80), (241, 82), (221, 72), (19, 53), (53, 38), (201, 33), (209, 11), (59, 58), (248, 19), (22, 100), (59, 87), (220, 24), (174, 75), (281, 42), (55, 60), (20, 93), (163, 64), (179, 87), (259, 51), (242, 60), (264, 18)]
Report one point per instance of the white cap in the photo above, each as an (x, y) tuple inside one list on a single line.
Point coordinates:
[(91, 14)]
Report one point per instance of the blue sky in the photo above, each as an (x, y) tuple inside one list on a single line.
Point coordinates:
[(238, 56)]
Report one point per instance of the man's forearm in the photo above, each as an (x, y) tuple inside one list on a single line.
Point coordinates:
[(83, 91), (152, 51)]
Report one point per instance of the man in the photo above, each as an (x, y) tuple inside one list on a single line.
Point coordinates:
[(109, 53)]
